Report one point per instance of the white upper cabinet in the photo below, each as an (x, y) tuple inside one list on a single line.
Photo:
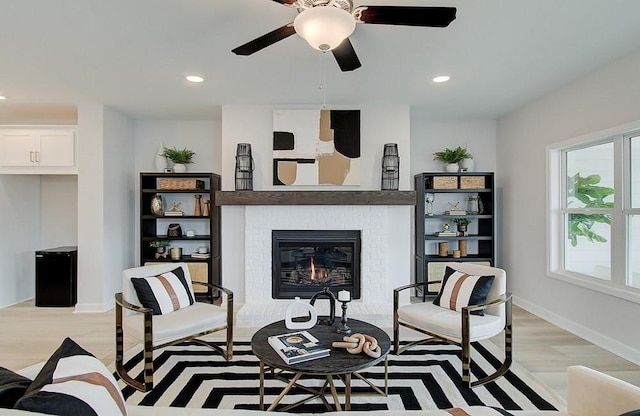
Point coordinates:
[(38, 151)]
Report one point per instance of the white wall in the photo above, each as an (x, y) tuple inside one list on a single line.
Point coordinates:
[(58, 210), (20, 225), (119, 202), (606, 98), (430, 136), (254, 124), (201, 136), (105, 213)]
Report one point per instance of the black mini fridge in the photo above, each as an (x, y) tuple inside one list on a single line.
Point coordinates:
[(57, 276)]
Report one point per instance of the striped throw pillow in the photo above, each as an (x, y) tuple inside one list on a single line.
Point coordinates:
[(164, 293), (460, 289), (73, 382)]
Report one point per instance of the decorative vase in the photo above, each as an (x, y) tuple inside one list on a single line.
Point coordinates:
[(326, 293), (198, 205), (206, 210), (156, 205), (462, 246), (390, 167), (298, 304), (466, 165), (451, 167), (244, 167), (179, 167), (161, 161), (161, 252)]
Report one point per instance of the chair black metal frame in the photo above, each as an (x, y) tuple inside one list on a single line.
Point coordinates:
[(465, 343), (148, 347)]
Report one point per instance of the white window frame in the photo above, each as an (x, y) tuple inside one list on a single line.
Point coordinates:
[(620, 214)]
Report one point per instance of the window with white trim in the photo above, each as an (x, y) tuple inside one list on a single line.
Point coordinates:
[(594, 211)]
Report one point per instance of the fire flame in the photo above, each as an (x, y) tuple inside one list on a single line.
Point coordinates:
[(321, 274)]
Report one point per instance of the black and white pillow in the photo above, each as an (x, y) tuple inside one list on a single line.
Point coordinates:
[(460, 289), (73, 382), (164, 293), (12, 387)]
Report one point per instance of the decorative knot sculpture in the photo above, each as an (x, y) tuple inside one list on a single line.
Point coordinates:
[(358, 343)]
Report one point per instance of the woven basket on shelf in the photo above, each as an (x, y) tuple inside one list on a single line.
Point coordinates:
[(442, 182), (180, 184), (472, 182)]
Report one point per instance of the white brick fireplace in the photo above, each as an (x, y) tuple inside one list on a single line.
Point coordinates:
[(385, 256)]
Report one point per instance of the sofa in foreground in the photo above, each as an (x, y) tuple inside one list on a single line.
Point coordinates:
[(590, 393)]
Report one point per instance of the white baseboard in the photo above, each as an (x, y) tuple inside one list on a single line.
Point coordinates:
[(15, 303), (588, 334)]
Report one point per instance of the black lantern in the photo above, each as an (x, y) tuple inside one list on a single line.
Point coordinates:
[(390, 167), (244, 167)]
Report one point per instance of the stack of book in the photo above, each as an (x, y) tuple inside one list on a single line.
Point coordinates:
[(197, 255), (445, 234), (298, 347), (173, 213)]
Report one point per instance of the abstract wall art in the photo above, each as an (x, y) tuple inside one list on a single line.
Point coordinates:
[(316, 147)]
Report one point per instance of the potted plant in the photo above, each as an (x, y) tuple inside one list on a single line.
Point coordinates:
[(462, 224), (161, 247), (180, 158), (451, 157)]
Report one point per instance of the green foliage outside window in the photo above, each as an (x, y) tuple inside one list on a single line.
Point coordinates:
[(587, 191)]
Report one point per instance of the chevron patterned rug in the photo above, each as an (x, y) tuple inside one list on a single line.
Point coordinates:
[(424, 377)]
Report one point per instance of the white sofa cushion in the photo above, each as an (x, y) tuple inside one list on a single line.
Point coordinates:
[(196, 318), (448, 323)]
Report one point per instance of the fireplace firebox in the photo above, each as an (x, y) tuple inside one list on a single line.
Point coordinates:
[(307, 261)]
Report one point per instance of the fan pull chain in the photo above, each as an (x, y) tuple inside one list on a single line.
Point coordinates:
[(322, 86)]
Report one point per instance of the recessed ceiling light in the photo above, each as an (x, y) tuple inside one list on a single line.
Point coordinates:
[(441, 78), (195, 78), (2, 97)]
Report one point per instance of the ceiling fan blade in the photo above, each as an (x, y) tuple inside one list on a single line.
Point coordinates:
[(265, 40), (406, 15), (346, 56), (285, 2)]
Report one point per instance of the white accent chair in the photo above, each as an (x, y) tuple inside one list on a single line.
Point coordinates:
[(158, 331), (459, 328)]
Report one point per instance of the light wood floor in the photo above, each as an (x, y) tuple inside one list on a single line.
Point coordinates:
[(29, 335)]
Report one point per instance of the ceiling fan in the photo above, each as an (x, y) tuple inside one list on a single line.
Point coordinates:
[(327, 24)]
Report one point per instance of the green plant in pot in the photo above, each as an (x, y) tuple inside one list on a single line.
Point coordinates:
[(180, 158), (451, 157), (161, 247), (462, 224)]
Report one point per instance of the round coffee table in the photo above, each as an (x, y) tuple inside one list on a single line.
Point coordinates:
[(338, 363)]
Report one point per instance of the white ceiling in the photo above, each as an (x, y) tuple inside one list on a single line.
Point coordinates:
[(133, 55)]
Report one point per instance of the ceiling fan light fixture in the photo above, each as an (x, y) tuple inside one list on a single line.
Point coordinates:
[(324, 27)]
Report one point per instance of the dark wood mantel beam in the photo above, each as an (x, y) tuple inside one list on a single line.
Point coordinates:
[(315, 198)]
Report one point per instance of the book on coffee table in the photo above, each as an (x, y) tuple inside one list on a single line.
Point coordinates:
[(297, 347)]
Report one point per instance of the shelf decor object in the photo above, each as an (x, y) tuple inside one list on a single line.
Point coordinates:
[(326, 293), (390, 167), (197, 205), (292, 323), (161, 160), (156, 205), (344, 297), (244, 167)]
